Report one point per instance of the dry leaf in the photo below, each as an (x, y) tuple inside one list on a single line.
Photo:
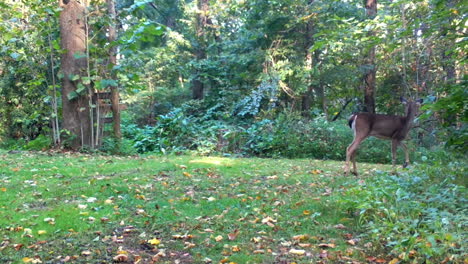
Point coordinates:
[(340, 226), (154, 242), (121, 258), (233, 236), (301, 237), (323, 245), (297, 251)]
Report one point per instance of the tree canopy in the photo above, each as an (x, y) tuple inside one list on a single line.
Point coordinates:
[(235, 62)]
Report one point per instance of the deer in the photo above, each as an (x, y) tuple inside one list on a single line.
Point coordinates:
[(389, 127)]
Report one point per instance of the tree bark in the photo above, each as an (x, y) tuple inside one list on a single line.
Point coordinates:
[(198, 86), (369, 76), (113, 61), (75, 108)]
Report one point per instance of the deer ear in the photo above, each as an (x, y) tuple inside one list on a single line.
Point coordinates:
[(403, 100)]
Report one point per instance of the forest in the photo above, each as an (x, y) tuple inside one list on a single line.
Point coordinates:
[(185, 131)]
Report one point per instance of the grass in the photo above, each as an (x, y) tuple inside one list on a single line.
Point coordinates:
[(78, 208)]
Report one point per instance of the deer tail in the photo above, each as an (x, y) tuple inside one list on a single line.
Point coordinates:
[(351, 120)]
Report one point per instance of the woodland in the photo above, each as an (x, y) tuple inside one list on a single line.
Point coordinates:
[(194, 126)]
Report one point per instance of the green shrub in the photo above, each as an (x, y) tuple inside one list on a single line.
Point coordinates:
[(421, 212), (39, 143), (113, 146)]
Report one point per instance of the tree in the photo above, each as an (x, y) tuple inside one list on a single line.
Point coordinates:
[(370, 68), (200, 47), (113, 61), (75, 96)]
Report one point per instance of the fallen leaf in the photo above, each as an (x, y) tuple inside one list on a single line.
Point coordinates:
[(301, 237), (235, 248), (323, 254), (297, 251), (41, 232), (219, 238), (323, 245), (394, 261), (233, 236), (18, 246), (121, 258), (154, 242), (340, 226)]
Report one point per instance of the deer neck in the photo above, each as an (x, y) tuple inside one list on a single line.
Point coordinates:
[(409, 118)]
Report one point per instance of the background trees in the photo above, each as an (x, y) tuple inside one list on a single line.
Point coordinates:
[(252, 67)]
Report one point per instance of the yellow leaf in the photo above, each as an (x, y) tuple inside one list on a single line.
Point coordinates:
[(27, 260), (3, 189), (154, 241), (235, 248), (186, 174), (394, 261), (297, 251), (218, 238), (301, 237), (306, 212), (41, 232)]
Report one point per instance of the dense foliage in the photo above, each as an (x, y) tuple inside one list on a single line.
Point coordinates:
[(261, 65)]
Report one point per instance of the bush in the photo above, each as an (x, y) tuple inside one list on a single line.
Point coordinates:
[(113, 146), (417, 216), (289, 135), (39, 143)]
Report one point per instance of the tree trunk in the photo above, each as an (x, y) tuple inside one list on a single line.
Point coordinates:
[(113, 61), (75, 104), (308, 95), (200, 52), (369, 76)]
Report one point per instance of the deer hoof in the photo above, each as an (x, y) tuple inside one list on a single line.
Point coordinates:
[(405, 165)]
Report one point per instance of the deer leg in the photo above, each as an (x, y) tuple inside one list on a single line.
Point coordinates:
[(351, 153), (353, 160), (395, 144), (405, 149)]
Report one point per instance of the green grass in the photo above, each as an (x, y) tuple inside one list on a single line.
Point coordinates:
[(221, 209)]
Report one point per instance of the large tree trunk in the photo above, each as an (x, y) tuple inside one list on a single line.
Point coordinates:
[(75, 107), (369, 76), (113, 61), (200, 52)]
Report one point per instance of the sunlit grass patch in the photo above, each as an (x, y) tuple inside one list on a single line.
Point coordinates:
[(90, 209)]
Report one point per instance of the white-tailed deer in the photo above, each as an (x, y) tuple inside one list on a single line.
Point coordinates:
[(392, 127)]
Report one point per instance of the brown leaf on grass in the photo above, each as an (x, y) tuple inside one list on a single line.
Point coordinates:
[(352, 242), (18, 246), (232, 236), (300, 237), (269, 221), (324, 245), (121, 258), (323, 254), (340, 226)]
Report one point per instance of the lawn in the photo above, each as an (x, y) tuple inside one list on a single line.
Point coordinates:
[(78, 208)]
